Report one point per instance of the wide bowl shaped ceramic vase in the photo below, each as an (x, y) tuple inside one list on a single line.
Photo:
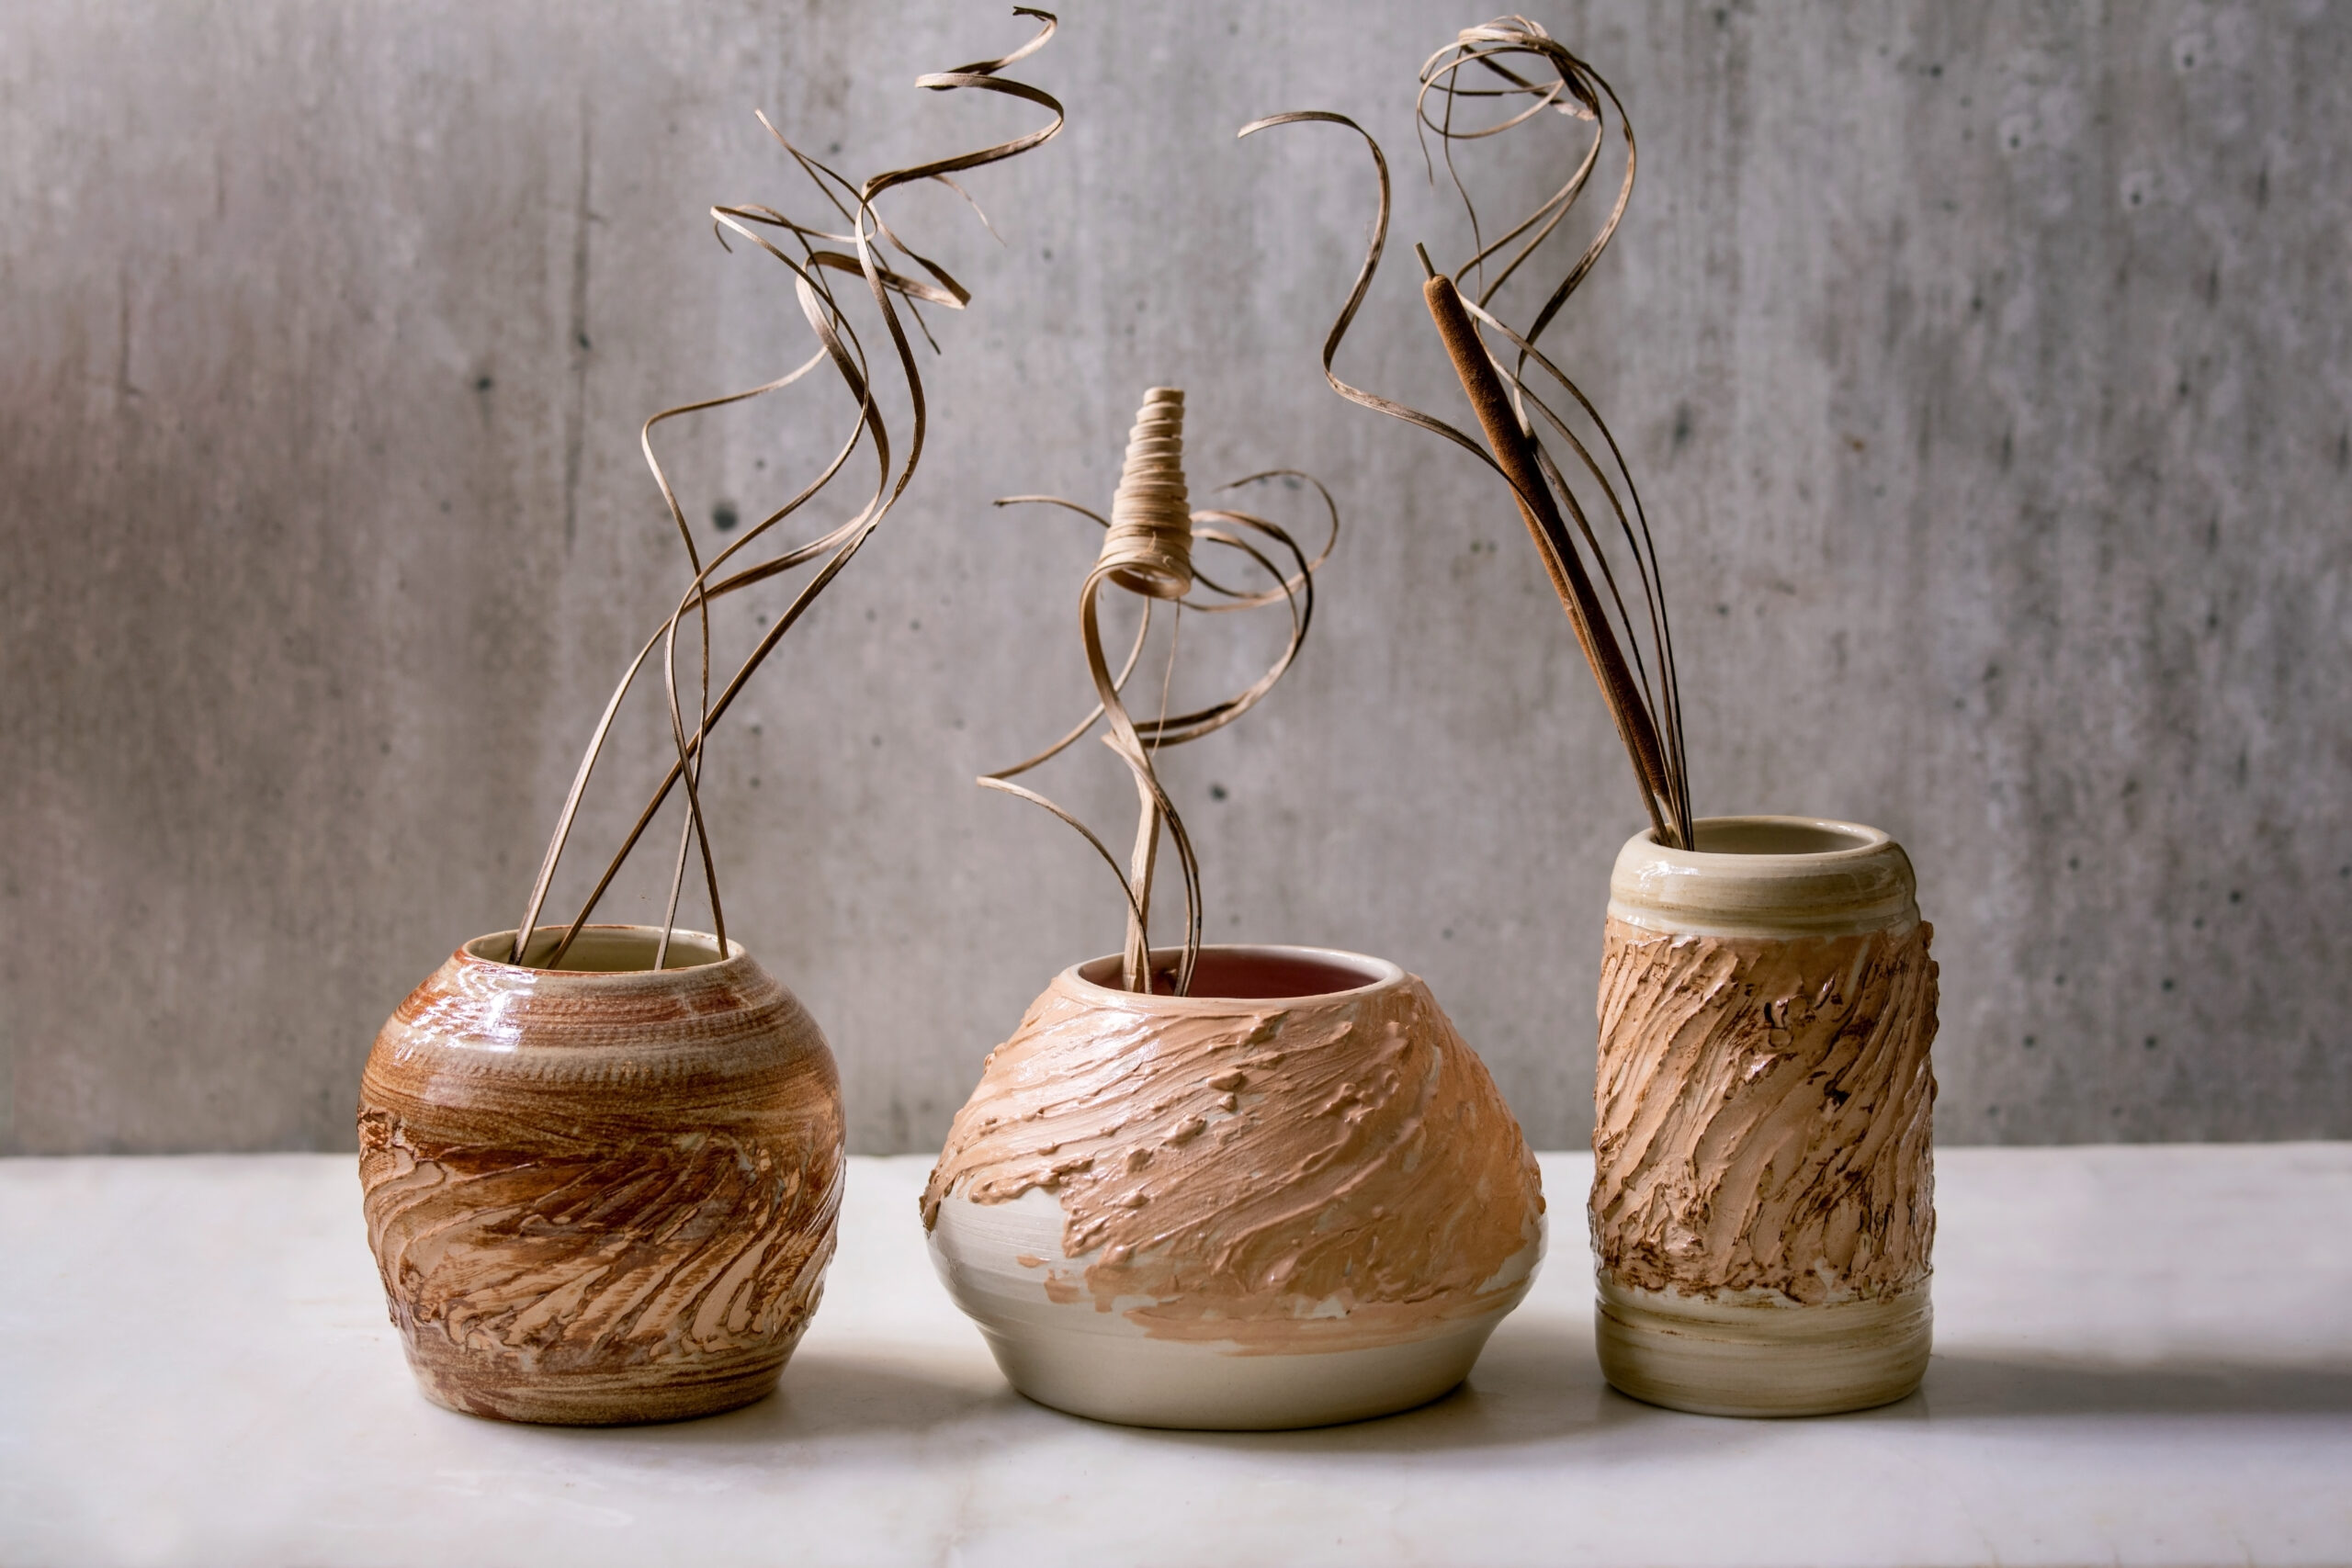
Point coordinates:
[(1763, 1193), (1292, 1198), (605, 1193)]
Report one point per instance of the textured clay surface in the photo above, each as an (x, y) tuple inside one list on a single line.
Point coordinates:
[(1235, 1166), (1762, 1113), (606, 1197)]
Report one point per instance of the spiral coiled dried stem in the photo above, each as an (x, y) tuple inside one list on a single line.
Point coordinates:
[(811, 253), (1147, 549), (1514, 62)]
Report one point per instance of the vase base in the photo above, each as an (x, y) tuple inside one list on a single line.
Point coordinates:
[(1276, 1374), (1713, 1357), (1210, 1388), (637, 1396)]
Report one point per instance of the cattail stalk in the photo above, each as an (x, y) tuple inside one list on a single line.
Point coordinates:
[(1512, 65), (1514, 453)]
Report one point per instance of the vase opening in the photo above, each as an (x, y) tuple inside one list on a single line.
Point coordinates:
[(1252, 973), (1781, 835), (603, 950)]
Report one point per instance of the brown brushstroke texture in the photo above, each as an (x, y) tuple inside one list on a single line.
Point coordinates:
[(1241, 1164), (1763, 1112), (625, 1185)]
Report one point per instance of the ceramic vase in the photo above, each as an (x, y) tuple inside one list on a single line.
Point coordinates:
[(1763, 1200), (605, 1193), (1292, 1198)]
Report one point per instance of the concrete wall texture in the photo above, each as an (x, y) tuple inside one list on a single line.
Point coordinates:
[(1986, 368)]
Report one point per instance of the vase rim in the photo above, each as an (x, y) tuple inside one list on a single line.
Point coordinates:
[(1771, 875), (1281, 965), (607, 941), (1772, 837)]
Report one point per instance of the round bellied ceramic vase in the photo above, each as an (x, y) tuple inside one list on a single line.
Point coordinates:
[(1291, 1198), (1763, 1193), (605, 1193)]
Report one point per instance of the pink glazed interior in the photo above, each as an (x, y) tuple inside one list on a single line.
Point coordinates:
[(1245, 974)]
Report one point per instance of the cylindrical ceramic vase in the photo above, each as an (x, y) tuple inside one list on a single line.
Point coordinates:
[(1763, 1195), (602, 1194), (1292, 1198)]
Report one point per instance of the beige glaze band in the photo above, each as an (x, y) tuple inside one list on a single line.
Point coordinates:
[(1769, 877), (1718, 1357)]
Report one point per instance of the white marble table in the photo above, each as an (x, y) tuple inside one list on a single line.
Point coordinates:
[(2144, 1355)]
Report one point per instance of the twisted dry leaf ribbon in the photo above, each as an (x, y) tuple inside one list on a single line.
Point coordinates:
[(1496, 57), (1136, 741), (812, 256)]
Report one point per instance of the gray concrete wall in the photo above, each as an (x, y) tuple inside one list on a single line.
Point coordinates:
[(1985, 368)]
